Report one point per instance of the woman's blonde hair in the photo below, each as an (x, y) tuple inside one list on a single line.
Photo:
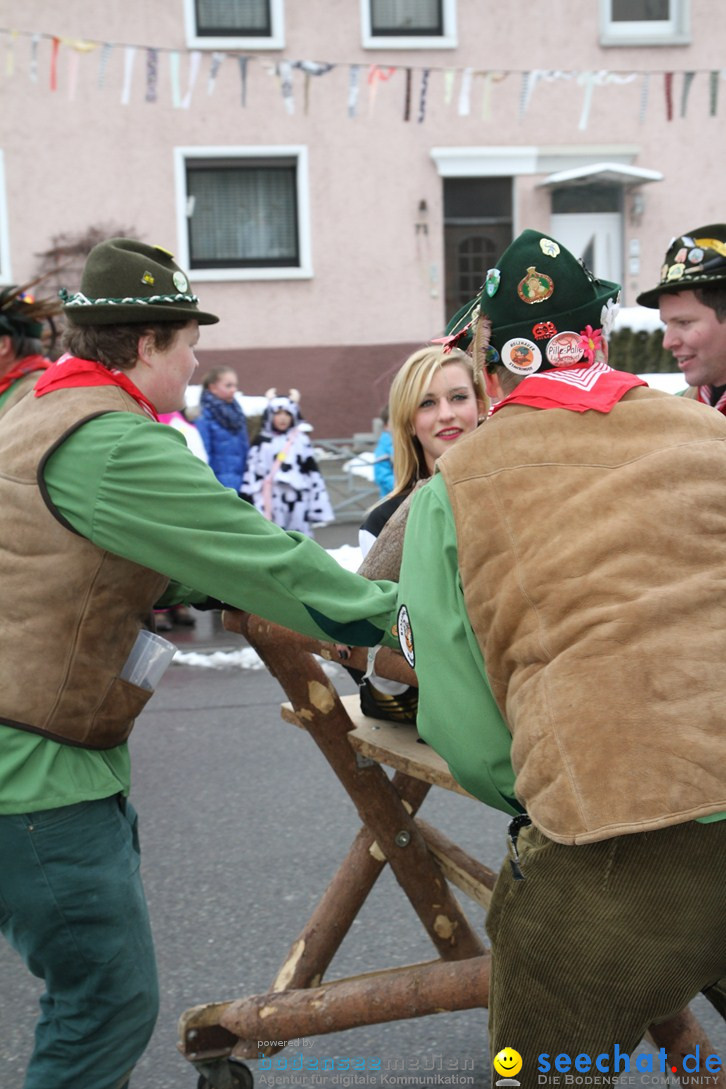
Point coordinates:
[(407, 390)]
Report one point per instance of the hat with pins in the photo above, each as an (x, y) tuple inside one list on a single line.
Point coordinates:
[(127, 282), (693, 260), (539, 308)]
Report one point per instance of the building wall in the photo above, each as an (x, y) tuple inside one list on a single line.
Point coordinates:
[(78, 156)]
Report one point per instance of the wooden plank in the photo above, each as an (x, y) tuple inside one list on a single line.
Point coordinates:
[(397, 745), (393, 744)]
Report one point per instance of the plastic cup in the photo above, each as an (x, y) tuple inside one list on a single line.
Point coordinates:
[(149, 658)]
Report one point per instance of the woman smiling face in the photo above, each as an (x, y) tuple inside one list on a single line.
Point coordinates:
[(447, 409)]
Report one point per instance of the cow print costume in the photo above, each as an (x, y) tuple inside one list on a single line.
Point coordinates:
[(282, 478)]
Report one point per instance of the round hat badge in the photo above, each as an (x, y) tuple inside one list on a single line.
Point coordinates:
[(180, 281), (564, 349), (521, 356)]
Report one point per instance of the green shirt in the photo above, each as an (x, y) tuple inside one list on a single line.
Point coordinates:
[(457, 713), (132, 487)]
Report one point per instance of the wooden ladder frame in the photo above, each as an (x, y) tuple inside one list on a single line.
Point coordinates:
[(425, 863)]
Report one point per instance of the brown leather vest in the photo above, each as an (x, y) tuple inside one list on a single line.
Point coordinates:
[(592, 552), (70, 611)]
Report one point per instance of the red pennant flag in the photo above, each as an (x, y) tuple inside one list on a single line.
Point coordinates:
[(668, 85), (54, 64)]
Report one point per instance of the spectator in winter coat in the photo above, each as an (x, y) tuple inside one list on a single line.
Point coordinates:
[(223, 427)]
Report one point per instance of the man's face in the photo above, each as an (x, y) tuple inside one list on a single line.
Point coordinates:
[(696, 338), (173, 369)]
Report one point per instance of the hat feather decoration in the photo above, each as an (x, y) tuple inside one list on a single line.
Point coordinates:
[(482, 336), (21, 314)]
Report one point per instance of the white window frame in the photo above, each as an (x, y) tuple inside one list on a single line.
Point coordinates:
[(276, 40), (5, 271), (673, 31), (447, 40), (302, 271)]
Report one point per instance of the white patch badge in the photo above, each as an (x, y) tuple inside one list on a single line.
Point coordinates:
[(405, 636), (521, 356), (180, 281)]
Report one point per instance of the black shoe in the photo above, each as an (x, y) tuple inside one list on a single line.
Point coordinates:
[(377, 704)]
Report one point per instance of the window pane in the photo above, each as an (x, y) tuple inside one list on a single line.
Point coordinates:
[(477, 199), (476, 253), (243, 216), (407, 17), (248, 17), (587, 198), (631, 11)]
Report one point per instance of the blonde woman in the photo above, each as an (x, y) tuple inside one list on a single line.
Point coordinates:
[(434, 400)]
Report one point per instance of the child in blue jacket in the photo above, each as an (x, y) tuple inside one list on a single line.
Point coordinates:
[(223, 427)]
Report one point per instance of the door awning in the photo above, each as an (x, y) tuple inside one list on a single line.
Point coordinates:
[(628, 177)]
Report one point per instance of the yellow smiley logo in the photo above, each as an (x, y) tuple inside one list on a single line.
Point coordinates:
[(508, 1062)]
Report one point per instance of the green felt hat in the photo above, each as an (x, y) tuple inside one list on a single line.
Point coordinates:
[(539, 299), (693, 260), (125, 281)]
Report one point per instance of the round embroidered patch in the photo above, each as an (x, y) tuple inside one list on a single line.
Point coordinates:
[(405, 636)]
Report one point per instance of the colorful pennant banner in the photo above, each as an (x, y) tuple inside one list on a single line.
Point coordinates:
[(63, 59)]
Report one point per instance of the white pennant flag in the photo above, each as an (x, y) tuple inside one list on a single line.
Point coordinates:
[(129, 58), (465, 92), (194, 62)]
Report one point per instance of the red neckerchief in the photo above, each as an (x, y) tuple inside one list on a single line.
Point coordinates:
[(704, 396), (594, 386), (71, 373), (23, 366)]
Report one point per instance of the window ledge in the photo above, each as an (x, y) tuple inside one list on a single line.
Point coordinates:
[(608, 41), (414, 43)]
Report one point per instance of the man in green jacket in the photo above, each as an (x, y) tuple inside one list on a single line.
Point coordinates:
[(562, 600), (106, 513)]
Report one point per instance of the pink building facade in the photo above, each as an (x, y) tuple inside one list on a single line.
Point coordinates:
[(338, 175)]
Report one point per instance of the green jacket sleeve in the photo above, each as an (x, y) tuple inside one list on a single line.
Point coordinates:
[(457, 713), (133, 488)]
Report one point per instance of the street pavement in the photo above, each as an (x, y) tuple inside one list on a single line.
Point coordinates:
[(243, 824)]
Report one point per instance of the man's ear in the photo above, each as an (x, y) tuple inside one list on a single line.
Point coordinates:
[(493, 386), (6, 346), (145, 348)]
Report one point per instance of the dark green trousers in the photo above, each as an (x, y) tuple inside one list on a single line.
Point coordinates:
[(600, 941), (72, 904)]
